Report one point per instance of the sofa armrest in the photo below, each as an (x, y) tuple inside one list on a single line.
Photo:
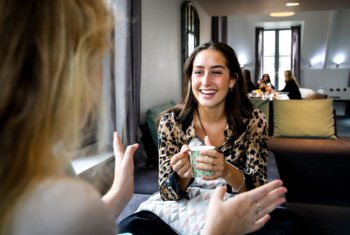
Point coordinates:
[(313, 167)]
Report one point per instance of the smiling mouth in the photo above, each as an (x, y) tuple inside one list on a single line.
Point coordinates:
[(207, 92)]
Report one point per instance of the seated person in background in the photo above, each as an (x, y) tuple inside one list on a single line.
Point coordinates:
[(265, 82), (249, 83), (291, 86)]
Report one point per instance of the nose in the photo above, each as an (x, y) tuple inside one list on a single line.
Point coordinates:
[(206, 78)]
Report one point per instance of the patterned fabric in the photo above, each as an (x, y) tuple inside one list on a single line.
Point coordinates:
[(185, 216), (248, 152)]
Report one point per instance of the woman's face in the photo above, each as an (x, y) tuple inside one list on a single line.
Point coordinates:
[(265, 78), (211, 78)]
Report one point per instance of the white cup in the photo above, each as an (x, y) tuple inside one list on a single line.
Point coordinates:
[(194, 153)]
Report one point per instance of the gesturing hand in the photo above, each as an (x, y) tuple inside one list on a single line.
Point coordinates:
[(245, 212), (123, 184), (124, 167)]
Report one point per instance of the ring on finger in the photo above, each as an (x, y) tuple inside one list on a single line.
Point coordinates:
[(258, 208)]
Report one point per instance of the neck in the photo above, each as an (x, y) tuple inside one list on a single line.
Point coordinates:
[(211, 115), (212, 124)]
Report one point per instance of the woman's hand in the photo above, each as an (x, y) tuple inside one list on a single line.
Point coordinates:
[(123, 184), (245, 212), (180, 163), (212, 160)]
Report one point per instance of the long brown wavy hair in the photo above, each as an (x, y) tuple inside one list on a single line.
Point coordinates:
[(51, 53), (237, 104)]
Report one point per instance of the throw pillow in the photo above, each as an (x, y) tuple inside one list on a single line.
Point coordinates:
[(151, 119), (304, 118)]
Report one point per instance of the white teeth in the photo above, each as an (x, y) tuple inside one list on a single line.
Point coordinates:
[(207, 92)]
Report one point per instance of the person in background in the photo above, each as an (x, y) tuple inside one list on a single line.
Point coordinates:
[(249, 83), (265, 82), (292, 86), (50, 75)]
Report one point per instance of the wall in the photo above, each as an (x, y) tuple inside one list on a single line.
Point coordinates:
[(161, 53), (324, 34)]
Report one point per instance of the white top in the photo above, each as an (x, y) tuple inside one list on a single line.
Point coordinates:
[(62, 206)]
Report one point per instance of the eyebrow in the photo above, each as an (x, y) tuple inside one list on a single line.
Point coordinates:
[(212, 67)]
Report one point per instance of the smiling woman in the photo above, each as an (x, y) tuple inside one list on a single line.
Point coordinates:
[(216, 112)]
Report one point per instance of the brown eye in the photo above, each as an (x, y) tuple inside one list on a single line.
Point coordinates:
[(217, 72)]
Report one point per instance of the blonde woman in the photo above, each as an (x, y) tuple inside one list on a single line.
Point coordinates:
[(292, 86), (51, 53)]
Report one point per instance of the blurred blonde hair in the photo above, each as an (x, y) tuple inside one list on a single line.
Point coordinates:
[(288, 75), (50, 79)]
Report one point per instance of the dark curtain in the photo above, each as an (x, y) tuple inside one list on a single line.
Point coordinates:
[(134, 88), (259, 53), (219, 28), (295, 57), (127, 69)]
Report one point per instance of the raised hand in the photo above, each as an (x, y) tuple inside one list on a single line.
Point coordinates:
[(245, 212), (123, 184)]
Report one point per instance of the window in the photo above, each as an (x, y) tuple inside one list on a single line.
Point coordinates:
[(189, 32), (277, 55)]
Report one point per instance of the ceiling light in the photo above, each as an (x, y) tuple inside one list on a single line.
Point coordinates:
[(292, 4), (281, 14)]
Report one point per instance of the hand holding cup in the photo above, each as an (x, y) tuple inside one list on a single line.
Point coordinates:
[(195, 152)]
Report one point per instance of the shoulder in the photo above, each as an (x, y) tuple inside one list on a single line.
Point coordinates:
[(255, 113), (168, 120), (170, 115), (63, 206), (168, 124), (257, 118)]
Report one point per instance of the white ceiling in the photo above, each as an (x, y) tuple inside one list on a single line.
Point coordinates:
[(248, 7)]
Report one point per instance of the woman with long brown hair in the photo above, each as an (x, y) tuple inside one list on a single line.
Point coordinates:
[(215, 109)]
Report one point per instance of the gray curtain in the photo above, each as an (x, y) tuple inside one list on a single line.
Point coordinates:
[(259, 53), (296, 40), (126, 81), (219, 28)]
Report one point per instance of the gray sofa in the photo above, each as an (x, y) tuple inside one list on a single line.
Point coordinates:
[(315, 171)]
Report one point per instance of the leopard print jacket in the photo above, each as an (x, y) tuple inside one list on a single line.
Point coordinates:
[(248, 152)]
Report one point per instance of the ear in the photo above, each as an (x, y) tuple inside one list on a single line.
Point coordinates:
[(233, 81)]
